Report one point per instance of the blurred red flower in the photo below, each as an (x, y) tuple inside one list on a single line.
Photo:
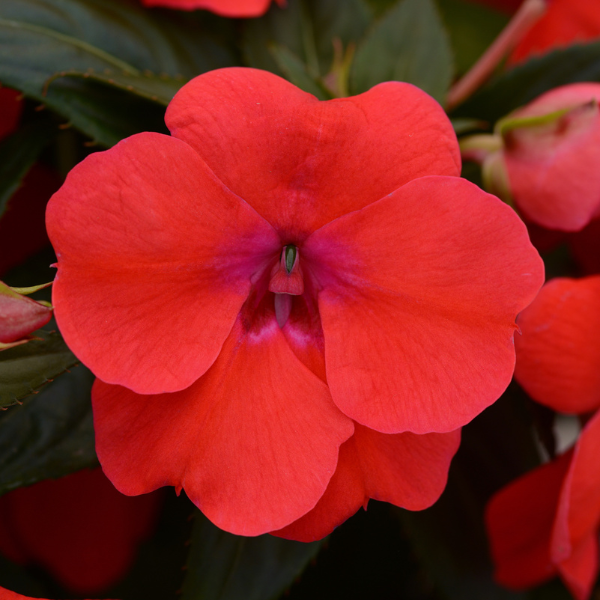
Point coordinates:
[(11, 107), (8, 595), (281, 278), (559, 352), (226, 8), (546, 523), (78, 528), (566, 22), (22, 226)]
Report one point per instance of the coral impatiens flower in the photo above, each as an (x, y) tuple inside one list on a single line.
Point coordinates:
[(281, 278), (225, 8), (547, 522), (78, 528), (544, 157)]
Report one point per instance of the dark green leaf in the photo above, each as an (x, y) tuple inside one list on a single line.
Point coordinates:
[(159, 89), (105, 113), (379, 7), (27, 367), (295, 71), (523, 83), (19, 152), (307, 28), (408, 44), (39, 38), (50, 435), (472, 28), (449, 538), (222, 566)]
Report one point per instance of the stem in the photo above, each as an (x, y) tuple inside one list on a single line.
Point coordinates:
[(528, 14)]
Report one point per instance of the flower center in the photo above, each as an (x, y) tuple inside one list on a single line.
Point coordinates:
[(286, 281)]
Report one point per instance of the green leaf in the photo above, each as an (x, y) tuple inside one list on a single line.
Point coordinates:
[(28, 367), (408, 44), (159, 89), (307, 28), (472, 28), (19, 151), (39, 38), (524, 83), (222, 566), (105, 113), (295, 71), (50, 435)]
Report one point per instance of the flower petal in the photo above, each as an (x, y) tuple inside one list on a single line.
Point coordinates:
[(565, 22), (254, 442), (575, 537), (558, 353), (300, 162), (8, 595), (519, 521), (155, 258), (405, 469), (580, 570), (226, 8), (419, 296)]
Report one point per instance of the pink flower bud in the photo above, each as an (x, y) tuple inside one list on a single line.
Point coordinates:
[(551, 153), (19, 316), (544, 157)]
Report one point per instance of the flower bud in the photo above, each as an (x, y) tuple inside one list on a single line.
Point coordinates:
[(19, 316), (545, 157)]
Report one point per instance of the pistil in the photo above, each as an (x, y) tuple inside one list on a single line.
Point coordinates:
[(286, 281)]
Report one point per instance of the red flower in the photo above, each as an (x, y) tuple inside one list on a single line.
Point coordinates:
[(8, 595), (277, 271), (559, 352), (566, 22), (79, 528), (23, 225), (547, 522), (11, 107), (226, 8)]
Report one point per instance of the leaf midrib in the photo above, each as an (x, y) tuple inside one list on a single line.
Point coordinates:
[(72, 41)]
